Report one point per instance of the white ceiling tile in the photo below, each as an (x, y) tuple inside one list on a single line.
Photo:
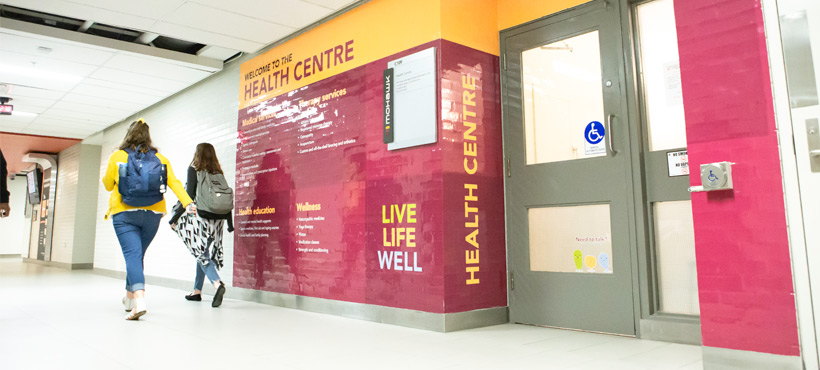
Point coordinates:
[(101, 111), (10, 129), (128, 88), (152, 67), (22, 107), (85, 12), (87, 117), (45, 65), (206, 37), (291, 13), (61, 51), (216, 52), (154, 9), (35, 82), (333, 4), (204, 18), (55, 122), (136, 79), (15, 121), (18, 91), (74, 97), (30, 101), (56, 133), (115, 94)]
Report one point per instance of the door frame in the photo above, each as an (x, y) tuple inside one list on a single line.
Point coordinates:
[(650, 324), (627, 118), (806, 321)]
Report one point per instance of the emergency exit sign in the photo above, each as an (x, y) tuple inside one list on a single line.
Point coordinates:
[(6, 109)]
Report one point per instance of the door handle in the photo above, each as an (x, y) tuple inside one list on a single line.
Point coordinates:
[(610, 120)]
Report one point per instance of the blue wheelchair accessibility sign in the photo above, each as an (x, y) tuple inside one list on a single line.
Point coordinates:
[(594, 132)]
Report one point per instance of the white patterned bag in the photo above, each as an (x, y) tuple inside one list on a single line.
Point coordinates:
[(202, 237)]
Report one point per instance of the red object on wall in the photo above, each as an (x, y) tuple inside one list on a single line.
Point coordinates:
[(316, 183), (742, 248)]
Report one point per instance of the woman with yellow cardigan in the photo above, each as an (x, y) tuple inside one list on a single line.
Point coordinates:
[(137, 225)]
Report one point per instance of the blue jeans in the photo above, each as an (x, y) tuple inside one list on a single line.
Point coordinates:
[(135, 231), (201, 271)]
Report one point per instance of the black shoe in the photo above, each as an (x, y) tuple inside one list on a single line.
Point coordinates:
[(194, 297), (220, 292)]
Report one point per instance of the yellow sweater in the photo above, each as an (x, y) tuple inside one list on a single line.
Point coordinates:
[(112, 176)]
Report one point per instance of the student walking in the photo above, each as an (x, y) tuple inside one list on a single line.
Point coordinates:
[(4, 190), (202, 233), (137, 177)]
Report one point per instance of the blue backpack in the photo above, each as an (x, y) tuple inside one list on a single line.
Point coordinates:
[(143, 179)]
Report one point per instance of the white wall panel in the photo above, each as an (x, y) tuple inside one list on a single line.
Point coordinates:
[(206, 112), (86, 210), (15, 228), (62, 242)]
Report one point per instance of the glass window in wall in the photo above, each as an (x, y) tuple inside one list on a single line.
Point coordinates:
[(562, 95), (660, 74), (571, 239), (675, 255)]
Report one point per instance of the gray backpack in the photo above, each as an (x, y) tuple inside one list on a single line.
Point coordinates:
[(213, 195)]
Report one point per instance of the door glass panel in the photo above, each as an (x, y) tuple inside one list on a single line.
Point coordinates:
[(796, 35), (571, 239), (660, 75), (675, 248), (562, 95)]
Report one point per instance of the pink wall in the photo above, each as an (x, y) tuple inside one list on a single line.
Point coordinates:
[(744, 271)]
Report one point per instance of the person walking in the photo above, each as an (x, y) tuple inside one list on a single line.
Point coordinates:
[(5, 209), (202, 233), (137, 177)]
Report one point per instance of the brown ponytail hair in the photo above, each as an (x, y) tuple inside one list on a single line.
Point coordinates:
[(138, 137), (205, 159)]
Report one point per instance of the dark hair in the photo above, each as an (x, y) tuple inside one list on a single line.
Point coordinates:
[(205, 159), (138, 137)]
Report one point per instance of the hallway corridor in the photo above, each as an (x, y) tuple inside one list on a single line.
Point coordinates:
[(58, 319)]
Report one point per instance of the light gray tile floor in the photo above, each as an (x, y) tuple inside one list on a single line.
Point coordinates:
[(58, 319)]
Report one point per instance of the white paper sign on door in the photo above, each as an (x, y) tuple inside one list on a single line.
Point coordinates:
[(678, 163)]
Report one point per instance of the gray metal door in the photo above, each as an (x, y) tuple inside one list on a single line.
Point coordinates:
[(569, 190)]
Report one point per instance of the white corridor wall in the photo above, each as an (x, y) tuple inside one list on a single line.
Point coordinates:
[(14, 230), (205, 112)]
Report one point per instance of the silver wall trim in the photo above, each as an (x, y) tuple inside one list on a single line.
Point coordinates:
[(671, 330), (731, 359), (62, 265), (387, 315)]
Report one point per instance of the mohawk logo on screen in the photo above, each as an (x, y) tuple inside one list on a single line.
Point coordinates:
[(6, 109)]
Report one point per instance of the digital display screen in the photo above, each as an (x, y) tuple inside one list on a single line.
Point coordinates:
[(6, 109)]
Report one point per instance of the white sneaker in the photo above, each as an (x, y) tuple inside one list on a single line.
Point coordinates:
[(138, 311), (128, 303)]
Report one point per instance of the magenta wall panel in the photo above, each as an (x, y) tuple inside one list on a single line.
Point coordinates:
[(742, 249), (319, 195)]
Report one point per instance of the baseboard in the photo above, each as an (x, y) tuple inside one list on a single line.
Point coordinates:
[(11, 255), (732, 359), (388, 315), (671, 329), (62, 265)]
